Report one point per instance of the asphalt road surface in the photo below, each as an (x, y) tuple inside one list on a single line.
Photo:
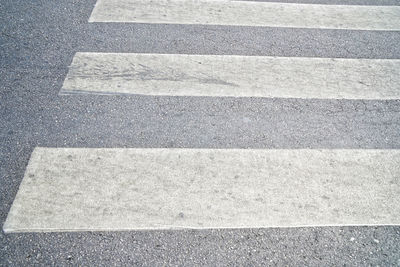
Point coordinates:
[(38, 42)]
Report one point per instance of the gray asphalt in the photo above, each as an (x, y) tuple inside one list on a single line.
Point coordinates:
[(37, 42)]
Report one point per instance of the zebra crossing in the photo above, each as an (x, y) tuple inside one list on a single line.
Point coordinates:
[(79, 189), (247, 13), (233, 76), (132, 189)]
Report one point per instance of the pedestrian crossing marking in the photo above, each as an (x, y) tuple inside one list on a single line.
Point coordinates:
[(90, 189), (233, 76), (242, 13)]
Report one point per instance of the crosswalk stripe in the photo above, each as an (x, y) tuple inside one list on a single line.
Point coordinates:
[(242, 13), (233, 76), (75, 189)]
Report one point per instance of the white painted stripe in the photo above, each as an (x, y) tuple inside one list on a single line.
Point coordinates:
[(74, 189), (234, 76), (244, 13)]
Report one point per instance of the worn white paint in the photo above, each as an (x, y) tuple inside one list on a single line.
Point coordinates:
[(248, 13), (233, 76), (77, 189)]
